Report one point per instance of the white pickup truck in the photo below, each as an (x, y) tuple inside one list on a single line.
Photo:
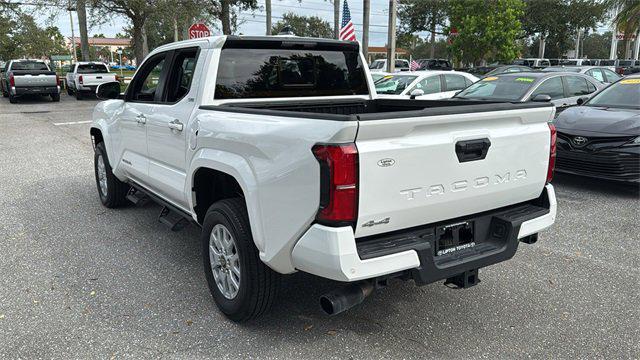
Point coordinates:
[(84, 78), (29, 77), (277, 148)]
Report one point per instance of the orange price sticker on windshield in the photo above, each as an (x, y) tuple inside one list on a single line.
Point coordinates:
[(490, 78), (630, 81)]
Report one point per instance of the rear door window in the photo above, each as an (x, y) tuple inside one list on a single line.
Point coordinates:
[(552, 87), (281, 72), (430, 85), (577, 86), (596, 74), (611, 75), (454, 82)]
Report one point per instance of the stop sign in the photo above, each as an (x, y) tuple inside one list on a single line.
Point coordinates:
[(199, 30)]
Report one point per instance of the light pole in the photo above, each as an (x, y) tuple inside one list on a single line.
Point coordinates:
[(391, 51)]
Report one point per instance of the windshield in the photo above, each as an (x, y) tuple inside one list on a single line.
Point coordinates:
[(568, 62), (92, 69), (624, 94), (378, 64), (511, 88), (625, 63), (394, 84), (524, 62), (29, 65)]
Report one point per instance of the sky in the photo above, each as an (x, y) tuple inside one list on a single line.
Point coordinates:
[(254, 22)]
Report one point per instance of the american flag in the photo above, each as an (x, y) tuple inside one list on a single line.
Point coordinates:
[(347, 31), (413, 66)]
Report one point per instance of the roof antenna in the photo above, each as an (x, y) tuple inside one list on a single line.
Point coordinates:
[(287, 30)]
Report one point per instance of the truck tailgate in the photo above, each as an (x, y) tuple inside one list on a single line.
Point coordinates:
[(420, 170), (97, 79), (28, 80)]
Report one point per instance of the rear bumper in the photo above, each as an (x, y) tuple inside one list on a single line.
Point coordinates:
[(334, 253), (87, 88), (26, 90)]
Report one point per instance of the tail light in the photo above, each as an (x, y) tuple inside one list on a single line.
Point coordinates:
[(80, 79), (12, 81), (552, 152), (338, 183)]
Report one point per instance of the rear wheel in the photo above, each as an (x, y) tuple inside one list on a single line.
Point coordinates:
[(113, 192), (242, 286), (69, 91), (78, 95), (55, 97), (13, 99)]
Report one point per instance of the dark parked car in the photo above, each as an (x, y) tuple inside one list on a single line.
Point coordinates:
[(623, 65), (561, 88), (601, 138), (434, 64)]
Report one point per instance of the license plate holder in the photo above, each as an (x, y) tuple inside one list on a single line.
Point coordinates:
[(452, 238)]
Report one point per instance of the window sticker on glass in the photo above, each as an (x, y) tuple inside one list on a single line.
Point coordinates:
[(490, 78), (630, 81), (524, 79)]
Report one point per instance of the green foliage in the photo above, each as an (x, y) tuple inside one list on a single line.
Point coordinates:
[(596, 46), (24, 38), (311, 26), (558, 21), (487, 29), (422, 15)]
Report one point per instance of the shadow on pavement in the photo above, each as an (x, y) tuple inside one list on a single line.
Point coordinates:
[(614, 188)]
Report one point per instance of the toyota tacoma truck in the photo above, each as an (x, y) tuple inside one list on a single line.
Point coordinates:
[(278, 148), (84, 78), (25, 77)]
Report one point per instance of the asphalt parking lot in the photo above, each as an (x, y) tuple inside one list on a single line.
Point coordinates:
[(80, 281)]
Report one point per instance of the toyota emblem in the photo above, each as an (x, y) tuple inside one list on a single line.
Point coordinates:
[(580, 140)]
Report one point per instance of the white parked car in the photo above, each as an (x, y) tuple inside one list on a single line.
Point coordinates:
[(84, 78), (278, 149), (424, 85)]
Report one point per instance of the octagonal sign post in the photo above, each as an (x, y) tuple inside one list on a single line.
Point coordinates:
[(199, 30)]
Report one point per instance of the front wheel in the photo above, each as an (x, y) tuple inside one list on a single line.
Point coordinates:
[(113, 192), (242, 286)]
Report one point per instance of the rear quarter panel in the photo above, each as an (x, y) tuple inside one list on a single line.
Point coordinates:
[(271, 158)]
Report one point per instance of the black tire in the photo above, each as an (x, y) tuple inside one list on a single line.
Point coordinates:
[(55, 97), (13, 99), (258, 287), (69, 92), (78, 95), (116, 192)]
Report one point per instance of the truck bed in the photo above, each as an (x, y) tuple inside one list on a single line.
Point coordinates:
[(363, 110)]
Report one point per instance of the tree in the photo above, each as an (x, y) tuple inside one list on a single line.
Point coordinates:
[(24, 38), (423, 15), (628, 14), (596, 46), (487, 29), (81, 9), (556, 22), (310, 26), (136, 11), (226, 12)]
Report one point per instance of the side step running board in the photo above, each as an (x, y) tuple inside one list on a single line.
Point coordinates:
[(172, 219), (170, 215)]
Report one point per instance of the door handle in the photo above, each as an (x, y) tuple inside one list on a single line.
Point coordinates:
[(141, 119), (176, 125)]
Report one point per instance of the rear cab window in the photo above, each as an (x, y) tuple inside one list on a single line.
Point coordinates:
[(29, 65), (272, 69), (92, 69)]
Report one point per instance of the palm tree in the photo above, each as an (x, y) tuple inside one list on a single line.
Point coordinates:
[(628, 17)]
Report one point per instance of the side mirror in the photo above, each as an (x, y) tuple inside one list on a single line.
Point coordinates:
[(582, 100), (415, 93), (541, 98), (107, 91)]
